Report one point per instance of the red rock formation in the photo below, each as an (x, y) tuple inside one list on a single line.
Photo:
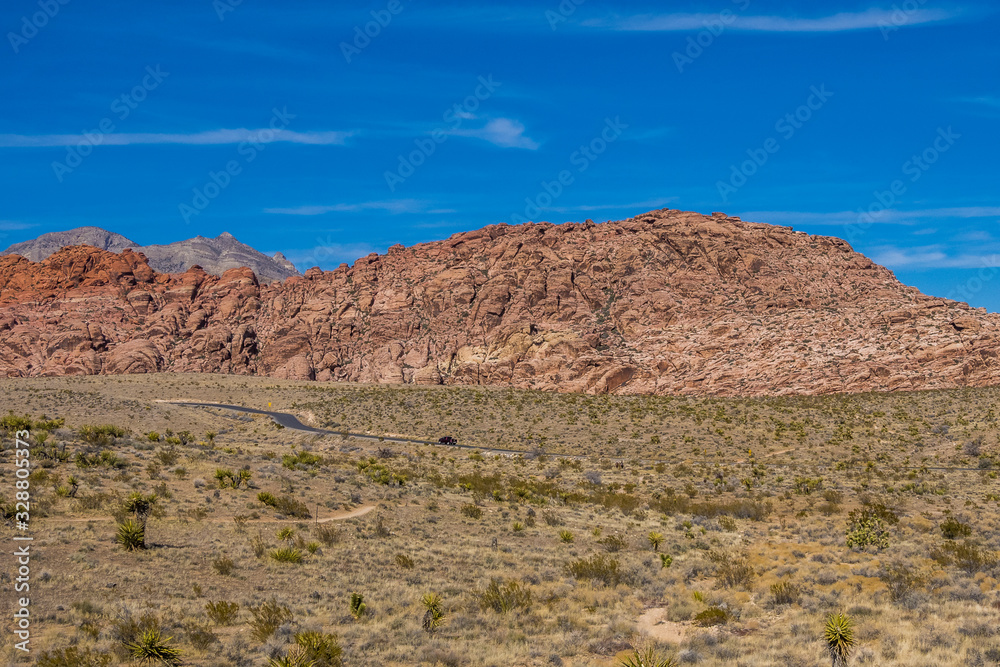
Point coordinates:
[(667, 302)]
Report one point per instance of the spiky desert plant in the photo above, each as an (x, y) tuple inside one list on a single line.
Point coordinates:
[(839, 635), (434, 616), (655, 540), (566, 536), (286, 534), (666, 560), (131, 535), (358, 605), (296, 657), (647, 657), (268, 617), (287, 555), (323, 649), (222, 612), (152, 649)]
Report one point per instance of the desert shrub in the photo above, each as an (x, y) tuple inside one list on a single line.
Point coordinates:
[(268, 617), (285, 505), (258, 545), (328, 534), (404, 561), (227, 478), (733, 569), (517, 526), (103, 459), (952, 529), (727, 523), (287, 555), (614, 543), (320, 649), (503, 598), (73, 656), (900, 580), (222, 612), (303, 458), (472, 511), (785, 592), (806, 485), (357, 605), (711, 616), (566, 536), (666, 560), (100, 435), (966, 555), (597, 568), (552, 519), (199, 636), (224, 565), (865, 529), (380, 473)]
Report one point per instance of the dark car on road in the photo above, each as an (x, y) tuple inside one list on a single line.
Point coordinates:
[(448, 440)]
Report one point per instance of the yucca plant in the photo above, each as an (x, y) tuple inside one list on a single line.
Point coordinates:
[(296, 657), (655, 540), (358, 605), (566, 536), (323, 649), (434, 616), (666, 560), (287, 555), (286, 534), (131, 535), (839, 635), (647, 657), (151, 649)]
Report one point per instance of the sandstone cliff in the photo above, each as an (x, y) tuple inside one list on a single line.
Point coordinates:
[(666, 302)]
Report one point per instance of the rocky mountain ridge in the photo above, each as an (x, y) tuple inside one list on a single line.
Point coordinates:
[(214, 255), (666, 302)]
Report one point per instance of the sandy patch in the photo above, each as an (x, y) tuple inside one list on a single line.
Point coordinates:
[(655, 624)]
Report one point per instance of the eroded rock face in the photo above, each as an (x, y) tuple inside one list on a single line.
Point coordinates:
[(667, 302)]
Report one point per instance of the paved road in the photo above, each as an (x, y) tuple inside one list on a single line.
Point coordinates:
[(292, 422)]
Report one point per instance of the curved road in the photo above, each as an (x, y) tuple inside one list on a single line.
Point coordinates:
[(292, 422)]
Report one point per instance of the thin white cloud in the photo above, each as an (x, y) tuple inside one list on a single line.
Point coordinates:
[(14, 225), (329, 254), (842, 22), (502, 132), (208, 138), (394, 206), (932, 257), (644, 205), (888, 217)]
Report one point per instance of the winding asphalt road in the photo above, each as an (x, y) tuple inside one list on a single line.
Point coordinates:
[(292, 422)]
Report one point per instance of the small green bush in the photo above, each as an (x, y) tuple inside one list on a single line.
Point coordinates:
[(287, 555), (952, 529), (503, 598), (712, 616), (785, 592), (131, 535), (268, 617), (472, 511), (222, 612), (597, 568)]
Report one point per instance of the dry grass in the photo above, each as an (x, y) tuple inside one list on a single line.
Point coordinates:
[(752, 499)]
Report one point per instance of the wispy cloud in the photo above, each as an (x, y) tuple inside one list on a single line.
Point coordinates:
[(394, 206), (641, 205), (932, 257), (889, 217), (503, 132), (842, 22), (14, 225), (207, 138), (329, 254)]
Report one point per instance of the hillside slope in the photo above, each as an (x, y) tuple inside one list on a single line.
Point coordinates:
[(666, 302)]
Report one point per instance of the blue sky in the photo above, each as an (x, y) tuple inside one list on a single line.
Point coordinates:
[(291, 128)]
